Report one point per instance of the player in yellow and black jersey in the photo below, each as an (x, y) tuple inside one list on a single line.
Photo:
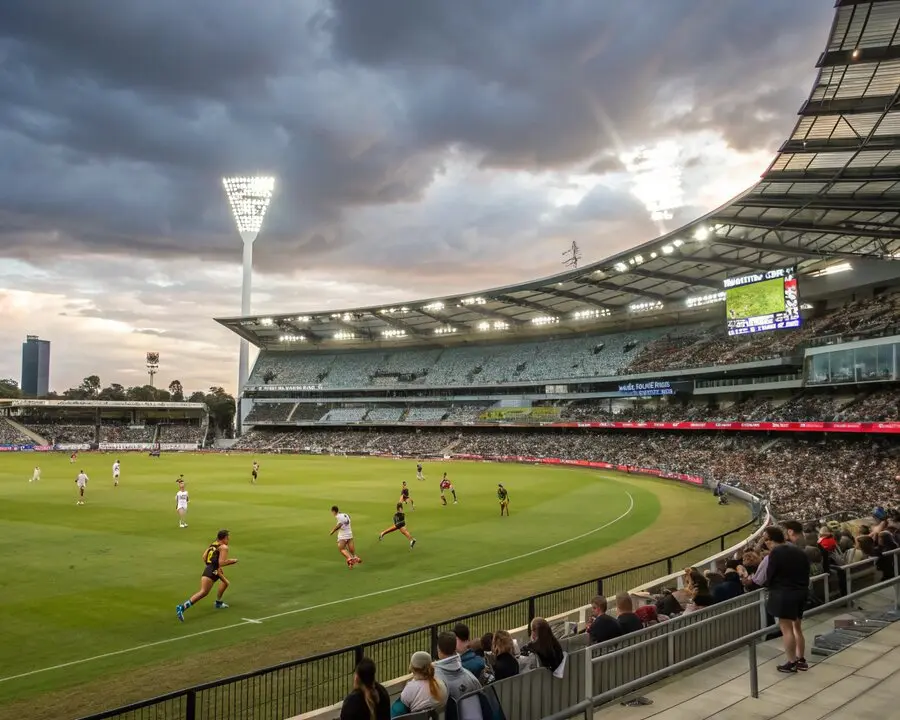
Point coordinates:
[(399, 526), (503, 497), (215, 557)]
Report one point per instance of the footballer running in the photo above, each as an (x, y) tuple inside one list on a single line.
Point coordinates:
[(346, 546), (215, 557), (404, 496), (447, 485), (399, 526)]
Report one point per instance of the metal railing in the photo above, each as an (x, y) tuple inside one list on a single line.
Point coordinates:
[(618, 671), (310, 683)]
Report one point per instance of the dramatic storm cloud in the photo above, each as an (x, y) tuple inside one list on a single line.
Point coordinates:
[(414, 143)]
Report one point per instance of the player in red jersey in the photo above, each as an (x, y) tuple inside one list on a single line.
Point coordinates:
[(405, 498), (447, 485)]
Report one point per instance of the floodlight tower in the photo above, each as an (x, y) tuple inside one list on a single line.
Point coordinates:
[(249, 198)]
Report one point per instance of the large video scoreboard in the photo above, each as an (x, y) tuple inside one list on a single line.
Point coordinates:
[(762, 301)]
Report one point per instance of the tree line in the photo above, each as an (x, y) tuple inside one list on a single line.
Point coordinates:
[(220, 403)]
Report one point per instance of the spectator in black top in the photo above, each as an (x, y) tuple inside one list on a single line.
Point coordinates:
[(793, 532), (505, 664), (544, 646), (602, 627), (787, 578), (628, 621), (369, 700), (730, 587)]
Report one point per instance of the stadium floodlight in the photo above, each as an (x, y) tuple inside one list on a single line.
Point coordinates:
[(621, 267), (667, 249), (701, 233), (249, 198)]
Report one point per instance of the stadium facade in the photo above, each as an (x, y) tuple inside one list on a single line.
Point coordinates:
[(825, 215)]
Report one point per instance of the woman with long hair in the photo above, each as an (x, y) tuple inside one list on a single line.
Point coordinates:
[(369, 700), (505, 664), (424, 691), (544, 646)]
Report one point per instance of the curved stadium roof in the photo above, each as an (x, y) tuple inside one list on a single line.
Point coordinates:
[(832, 194)]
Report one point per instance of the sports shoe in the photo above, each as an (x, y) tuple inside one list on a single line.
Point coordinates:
[(802, 665), (788, 667), (179, 612), (350, 563), (412, 543), (221, 605), (380, 538), (357, 560)]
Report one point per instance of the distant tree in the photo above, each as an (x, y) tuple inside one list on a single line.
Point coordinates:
[(113, 392), (9, 388), (176, 390), (90, 386), (141, 393), (197, 397), (222, 409)]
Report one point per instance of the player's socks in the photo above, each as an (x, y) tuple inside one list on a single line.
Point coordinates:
[(186, 605)]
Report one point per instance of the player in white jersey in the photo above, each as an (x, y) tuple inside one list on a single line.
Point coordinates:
[(81, 481), (36, 474), (345, 537), (181, 503), (116, 469)]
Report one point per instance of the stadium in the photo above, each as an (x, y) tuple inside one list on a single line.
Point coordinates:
[(661, 409)]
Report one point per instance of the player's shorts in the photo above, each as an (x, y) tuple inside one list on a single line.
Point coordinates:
[(254, 474), (398, 527), (116, 475), (181, 507), (211, 574), (344, 538)]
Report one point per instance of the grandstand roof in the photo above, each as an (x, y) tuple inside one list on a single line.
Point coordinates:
[(831, 195)]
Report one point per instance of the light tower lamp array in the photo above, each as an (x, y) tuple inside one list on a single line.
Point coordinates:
[(249, 198)]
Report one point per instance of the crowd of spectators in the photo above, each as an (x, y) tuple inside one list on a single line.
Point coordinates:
[(711, 345), (880, 405), (64, 433), (180, 433), (802, 476), (9, 435), (122, 433)]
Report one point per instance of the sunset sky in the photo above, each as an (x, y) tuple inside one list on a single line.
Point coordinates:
[(421, 148)]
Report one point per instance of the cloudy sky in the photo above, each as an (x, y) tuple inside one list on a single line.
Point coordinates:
[(421, 148)]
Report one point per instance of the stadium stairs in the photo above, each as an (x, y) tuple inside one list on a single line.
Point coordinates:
[(854, 672), (38, 440)]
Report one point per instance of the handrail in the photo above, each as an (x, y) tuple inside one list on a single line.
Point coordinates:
[(588, 705)]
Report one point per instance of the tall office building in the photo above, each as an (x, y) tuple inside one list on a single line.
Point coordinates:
[(35, 366)]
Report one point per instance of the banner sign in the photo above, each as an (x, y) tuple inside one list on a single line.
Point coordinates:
[(104, 404), (148, 446), (692, 479), (284, 388), (847, 427), (651, 388), (72, 447), (512, 413)]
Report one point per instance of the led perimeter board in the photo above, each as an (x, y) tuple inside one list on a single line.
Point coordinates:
[(762, 301)]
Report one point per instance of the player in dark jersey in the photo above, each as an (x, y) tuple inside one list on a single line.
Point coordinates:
[(419, 474), (215, 557), (254, 472), (399, 526), (447, 485), (405, 498), (503, 497)]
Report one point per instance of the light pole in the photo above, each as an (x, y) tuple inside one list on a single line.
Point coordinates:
[(152, 365), (249, 198)]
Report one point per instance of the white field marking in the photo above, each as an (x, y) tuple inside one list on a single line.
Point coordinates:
[(330, 603)]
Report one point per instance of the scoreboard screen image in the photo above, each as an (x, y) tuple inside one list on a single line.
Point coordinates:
[(762, 301)]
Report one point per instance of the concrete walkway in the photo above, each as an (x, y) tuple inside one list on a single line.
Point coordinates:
[(858, 682)]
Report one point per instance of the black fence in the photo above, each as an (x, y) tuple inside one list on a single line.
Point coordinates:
[(301, 686)]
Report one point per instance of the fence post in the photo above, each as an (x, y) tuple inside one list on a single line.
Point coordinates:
[(754, 671), (358, 654), (589, 672), (848, 574), (190, 708), (722, 543), (599, 586), (434, 637), (669, 570), (531, 613), (763, 615)]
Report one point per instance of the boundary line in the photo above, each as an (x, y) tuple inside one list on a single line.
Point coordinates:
[(330, 603)]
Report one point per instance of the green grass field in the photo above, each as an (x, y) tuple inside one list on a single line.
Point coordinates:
[(762, 298), (87, 593)]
